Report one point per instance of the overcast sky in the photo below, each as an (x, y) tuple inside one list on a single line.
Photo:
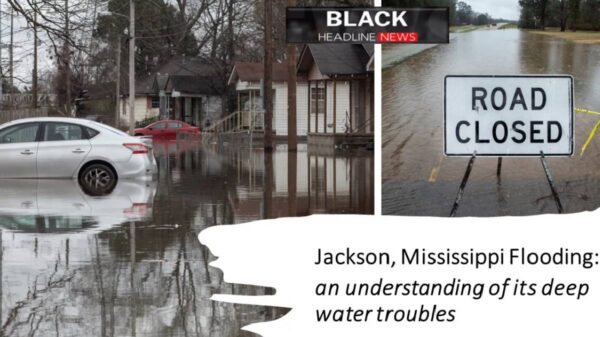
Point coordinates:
[(506, 9)]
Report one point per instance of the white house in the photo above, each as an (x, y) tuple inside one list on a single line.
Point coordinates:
[(146, 104), (341, 108), (248, 81)]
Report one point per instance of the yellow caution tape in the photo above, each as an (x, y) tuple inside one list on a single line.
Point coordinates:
[(590, 137), (594, 130), (586, 111)]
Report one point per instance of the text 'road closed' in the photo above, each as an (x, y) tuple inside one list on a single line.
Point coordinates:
[(508, 116)]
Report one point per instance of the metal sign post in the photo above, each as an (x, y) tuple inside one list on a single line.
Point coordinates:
[(508, 116), (551, 183), (463, 184)]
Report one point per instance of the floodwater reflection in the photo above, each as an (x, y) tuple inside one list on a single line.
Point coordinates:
[(58, 206), (130, 264)]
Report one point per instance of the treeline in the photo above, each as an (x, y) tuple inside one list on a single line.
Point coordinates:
[(465, 15), (566, 14), (461, 13)]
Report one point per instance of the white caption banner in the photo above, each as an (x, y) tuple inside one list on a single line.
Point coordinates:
[(283, 254)]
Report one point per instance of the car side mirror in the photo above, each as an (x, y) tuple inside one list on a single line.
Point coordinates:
[(150, 129)]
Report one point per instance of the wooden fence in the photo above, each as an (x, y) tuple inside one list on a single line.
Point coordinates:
[(7, 115)]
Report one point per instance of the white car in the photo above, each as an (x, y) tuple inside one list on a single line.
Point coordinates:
[(95, 154)]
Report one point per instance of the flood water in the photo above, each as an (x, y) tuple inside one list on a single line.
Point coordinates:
[(130, 263), (419, 180)]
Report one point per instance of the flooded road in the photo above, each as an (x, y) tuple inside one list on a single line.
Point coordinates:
[(130, 264), (419, 180)]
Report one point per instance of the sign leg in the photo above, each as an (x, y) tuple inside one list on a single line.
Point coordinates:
[(551, 183), (499, 168), (463, 184)]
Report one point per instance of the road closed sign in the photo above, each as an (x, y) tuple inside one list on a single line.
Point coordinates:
[(508, 115)]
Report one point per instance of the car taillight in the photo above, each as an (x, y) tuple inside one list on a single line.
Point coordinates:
[(137, 148), (138, 209)]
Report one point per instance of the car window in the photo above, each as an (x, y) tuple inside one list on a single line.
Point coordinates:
[(174, 125), (63, 132), (158, 126), (92, 133), (22, 133), (108, 128)]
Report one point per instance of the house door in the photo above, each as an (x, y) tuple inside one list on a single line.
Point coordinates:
[(178, 108), (197, 112), (187, 117), (358, 106)]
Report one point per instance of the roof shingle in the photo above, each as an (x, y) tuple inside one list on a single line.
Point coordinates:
[(176, 66), (254, 72), (337, 58), (202, 85)]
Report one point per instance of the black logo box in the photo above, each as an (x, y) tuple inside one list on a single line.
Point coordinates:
[(304, 24)]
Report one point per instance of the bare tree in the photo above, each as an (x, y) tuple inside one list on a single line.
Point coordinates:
[(563, 15), (574, 13), (67, 26), (190, 13), (542, 5)]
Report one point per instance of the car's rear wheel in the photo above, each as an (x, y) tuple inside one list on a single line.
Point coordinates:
[(98, 179)]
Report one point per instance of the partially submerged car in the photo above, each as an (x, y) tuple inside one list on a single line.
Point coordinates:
[(94, 153), (167, 128)]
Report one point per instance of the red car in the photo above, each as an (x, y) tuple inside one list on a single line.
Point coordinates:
[(166, 129)]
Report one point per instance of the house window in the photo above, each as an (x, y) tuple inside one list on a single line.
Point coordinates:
[(155, 102), (317, 96)]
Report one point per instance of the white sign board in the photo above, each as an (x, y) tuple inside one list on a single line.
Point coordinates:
[(508, 115)]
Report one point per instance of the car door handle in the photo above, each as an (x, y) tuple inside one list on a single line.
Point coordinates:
[(79, 151), (27, 152)]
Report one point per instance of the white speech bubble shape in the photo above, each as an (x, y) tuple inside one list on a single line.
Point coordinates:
[(282, 254)]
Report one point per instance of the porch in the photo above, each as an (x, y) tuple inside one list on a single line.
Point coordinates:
[(341, 113), (195, 100), (239, 121), (187, 109)]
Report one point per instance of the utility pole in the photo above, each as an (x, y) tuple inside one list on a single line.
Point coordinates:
[(131, 66), (132, 262), (268, 82), (11, 65), (1, 273), (118, 93), (67, 58), (292, 81), (1, 68), (34, 79)]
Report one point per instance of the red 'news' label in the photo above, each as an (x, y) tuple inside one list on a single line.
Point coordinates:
[(391, 37)]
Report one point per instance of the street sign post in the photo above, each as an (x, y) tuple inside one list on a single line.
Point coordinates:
[(525, 115)]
